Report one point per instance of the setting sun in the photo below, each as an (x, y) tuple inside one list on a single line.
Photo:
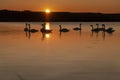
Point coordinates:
[(47, 11)]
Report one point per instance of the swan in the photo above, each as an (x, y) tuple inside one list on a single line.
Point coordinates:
[(43, 30), (32, 30), (103, 27), (109, 30), (94, 29), (63, 30), (77, 28), (26, 28), (98, 27)]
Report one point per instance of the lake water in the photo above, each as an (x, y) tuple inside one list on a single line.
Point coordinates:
[(75, 55)]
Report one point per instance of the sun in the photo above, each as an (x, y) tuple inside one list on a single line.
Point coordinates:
[(47, 11)]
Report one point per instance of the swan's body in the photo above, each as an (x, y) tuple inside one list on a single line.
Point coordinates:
[(77, 28), (43, 30), (26, 29), (110, 30), (33, 30)]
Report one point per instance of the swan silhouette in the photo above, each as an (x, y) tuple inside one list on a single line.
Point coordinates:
[(103, 27), (43, 30), (94, 29), (100, 29), (26, 28), (77, 28), (108, 30), (63, 29), (32, 30)]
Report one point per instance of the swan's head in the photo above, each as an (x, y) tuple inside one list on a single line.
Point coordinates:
[(60, 26), (91, 25), (103, 24), (97, 24), (41, 24)]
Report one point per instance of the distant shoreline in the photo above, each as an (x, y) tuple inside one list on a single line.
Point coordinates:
[(29, 16)]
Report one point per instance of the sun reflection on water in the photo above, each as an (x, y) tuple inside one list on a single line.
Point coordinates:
[(47, 26), (47, 36)]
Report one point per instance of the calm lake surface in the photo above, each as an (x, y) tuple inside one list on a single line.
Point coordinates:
[(75, 55)]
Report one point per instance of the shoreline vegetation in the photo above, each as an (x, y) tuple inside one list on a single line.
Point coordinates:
[(30, 16)]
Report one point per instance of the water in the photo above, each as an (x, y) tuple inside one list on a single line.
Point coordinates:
[(73, 55)]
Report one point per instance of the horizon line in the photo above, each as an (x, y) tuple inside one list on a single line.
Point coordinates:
[(61, 11)]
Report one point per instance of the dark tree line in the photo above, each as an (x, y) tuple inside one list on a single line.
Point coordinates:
[(29, 16)]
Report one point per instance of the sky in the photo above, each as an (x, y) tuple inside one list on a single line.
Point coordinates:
[(103, 6)]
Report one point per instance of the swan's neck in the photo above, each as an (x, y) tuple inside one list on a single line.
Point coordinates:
[(103, 26), (26, 24), (80, 26), (29, 27), (97, 26), (60, 27)]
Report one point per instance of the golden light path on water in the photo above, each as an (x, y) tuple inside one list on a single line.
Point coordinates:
[(47, 26)]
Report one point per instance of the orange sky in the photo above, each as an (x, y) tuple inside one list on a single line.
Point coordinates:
[(106, 6)]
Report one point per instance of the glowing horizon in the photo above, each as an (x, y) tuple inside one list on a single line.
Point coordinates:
[(111, 6)]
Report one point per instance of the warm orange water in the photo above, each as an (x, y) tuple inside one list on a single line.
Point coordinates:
[(73, 55)]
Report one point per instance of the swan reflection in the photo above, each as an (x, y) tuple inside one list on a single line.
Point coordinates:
[(28, 35), (46, 30), (45, 36), (103, 34)]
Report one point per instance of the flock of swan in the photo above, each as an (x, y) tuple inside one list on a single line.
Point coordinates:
[(109, 30), (43, 30)]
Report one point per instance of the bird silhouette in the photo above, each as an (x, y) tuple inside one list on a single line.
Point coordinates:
[(77, 28), (26, 28), (63, 29), (108, 30), (32, 30), (43, 30), (94, 29)]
